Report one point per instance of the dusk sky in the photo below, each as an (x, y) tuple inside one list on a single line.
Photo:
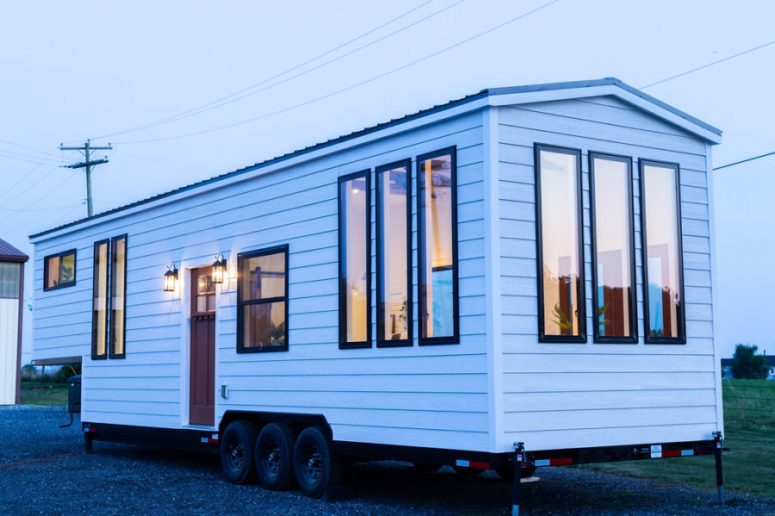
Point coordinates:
[(78, 70)]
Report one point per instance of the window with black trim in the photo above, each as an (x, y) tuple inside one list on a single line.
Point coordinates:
[(262, 300), (613, 268), (59, 270), (355, 260), (118, 250), (560, 245), (437, 248), (662, 254), (394, 255), (100, 300)]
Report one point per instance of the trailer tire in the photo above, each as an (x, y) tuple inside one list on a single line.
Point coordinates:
[(314, 462), (237, 444), (274, 456)]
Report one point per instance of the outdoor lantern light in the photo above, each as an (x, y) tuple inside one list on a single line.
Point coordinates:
[(219, 269), (170, 278)]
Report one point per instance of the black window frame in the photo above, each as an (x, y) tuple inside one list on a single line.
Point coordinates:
[(343, 342), (581, 294), (72, 283), (95, 278), (681, 339), (111, 278), (241, 348), (381, 342), (633, 297), (421, 251)]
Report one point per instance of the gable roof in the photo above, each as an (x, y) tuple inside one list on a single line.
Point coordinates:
[(9, 253), (608, 86)]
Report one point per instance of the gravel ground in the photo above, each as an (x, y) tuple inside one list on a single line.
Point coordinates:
[(44, 470)]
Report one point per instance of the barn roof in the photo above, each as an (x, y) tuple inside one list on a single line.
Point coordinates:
[(608, 86), (9, 253)]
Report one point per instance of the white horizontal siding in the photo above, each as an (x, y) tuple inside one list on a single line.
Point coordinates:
[(9, 342), (571, 395), (406, 396)]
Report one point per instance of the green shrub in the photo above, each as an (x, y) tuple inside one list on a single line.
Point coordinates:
[(747, 364)]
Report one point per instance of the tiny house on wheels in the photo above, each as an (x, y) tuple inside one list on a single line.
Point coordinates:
[(518, 278)]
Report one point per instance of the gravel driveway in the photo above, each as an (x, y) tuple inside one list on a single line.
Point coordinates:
[(43, 470)]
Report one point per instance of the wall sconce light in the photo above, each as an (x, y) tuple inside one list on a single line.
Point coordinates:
[(171, 278), (219, 269)]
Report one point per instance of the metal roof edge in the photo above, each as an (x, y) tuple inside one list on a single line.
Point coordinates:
[(278, 159), (607, 81)]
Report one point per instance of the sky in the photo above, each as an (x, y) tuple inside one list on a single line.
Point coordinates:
[(89, 69)]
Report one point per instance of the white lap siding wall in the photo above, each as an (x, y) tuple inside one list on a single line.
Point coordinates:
[(420, 395), (575, 395)]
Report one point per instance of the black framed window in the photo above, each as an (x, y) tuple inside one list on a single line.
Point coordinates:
[(262, 300), (663, 292), (59, 270), (355, 260), (560, 245), (437, 248), (394, 254), (100, 300), (613, 268), (118, 250)]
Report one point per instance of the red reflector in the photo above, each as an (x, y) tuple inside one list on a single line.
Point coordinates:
[(562, 461), (671, 453), (479, 465)]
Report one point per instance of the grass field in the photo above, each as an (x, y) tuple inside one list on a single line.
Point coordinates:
[(749, 465), (37, 393)]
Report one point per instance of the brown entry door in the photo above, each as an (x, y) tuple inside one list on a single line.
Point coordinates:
[(202, 374)]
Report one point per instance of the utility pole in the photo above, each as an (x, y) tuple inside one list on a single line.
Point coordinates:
[(88, 163)]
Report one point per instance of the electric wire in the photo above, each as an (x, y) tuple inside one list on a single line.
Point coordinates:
[(746, 160), (24, 176), (708, 65), (226, 99), (351, 86)]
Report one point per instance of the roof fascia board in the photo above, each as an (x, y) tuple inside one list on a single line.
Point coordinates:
[(263, 169), (606, 90)]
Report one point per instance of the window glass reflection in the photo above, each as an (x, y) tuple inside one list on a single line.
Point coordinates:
[(613, 245), (562, 310)]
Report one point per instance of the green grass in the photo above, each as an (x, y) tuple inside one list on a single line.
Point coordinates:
[(43, 393), (749, 465)]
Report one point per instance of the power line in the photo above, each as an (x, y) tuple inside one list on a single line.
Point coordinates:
[(708, 65), (227, 99), (6, 142), (745, 160), (25, 176), (307, 71), (22, 157), (350, 87)]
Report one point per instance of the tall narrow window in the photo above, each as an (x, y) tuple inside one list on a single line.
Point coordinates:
[(354, 261), (118, 297), (394, 252), (613, 269), (59, 270), (262, 300), (437, 248), (662, 254), (561, 311), (100, 300)]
